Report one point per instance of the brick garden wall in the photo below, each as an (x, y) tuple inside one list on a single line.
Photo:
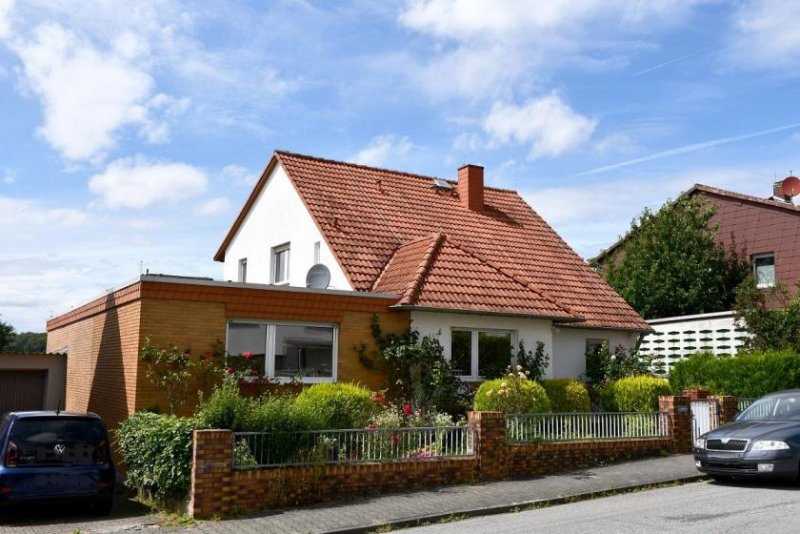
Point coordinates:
[(217, 489)]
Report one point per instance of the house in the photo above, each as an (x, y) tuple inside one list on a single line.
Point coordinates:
[(764, 230), (319, 248)]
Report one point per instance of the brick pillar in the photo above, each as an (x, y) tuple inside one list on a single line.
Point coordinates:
[(212, 473), (727, 408), (490, 444), (679, 411)]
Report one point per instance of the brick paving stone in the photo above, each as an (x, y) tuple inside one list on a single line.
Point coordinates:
[(372, 512)]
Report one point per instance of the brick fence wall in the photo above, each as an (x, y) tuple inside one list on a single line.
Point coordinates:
[(217, 489)]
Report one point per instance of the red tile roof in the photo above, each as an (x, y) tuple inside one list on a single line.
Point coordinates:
[(434, 273), (371, 217)]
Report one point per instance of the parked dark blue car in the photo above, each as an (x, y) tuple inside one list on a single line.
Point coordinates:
[(56, 456)]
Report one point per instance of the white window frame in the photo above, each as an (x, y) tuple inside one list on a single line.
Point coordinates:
[(269, 350), (286, 247), (755, 268), (242, 270), (474, 343), (317, 247)]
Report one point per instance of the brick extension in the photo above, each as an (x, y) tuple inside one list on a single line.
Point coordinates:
[(217, 489)]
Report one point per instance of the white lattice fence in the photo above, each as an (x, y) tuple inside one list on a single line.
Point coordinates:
[(677, 337)]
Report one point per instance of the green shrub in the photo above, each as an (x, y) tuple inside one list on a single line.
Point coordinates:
[(747, 375), (336, 405), (634, 394), (567, 395), (226, 408), (158, 452), (511, 395)]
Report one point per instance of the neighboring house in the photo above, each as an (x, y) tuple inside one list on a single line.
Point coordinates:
[(473, 265), (765, 231)]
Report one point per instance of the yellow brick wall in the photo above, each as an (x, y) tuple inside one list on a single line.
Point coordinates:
[(102, 351)]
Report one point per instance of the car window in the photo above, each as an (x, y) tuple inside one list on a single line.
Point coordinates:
[(783, 408), (48, 441)]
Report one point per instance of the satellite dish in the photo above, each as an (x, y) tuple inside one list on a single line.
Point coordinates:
[(790, 187), (318, 277)]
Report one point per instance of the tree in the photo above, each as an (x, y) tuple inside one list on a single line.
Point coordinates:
[(671, 263), (29, 342), (6, 335), (770, 316)]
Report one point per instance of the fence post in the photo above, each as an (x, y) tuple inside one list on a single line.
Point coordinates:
[(727, 408), (212, 473), (679, 411), (490, 444)]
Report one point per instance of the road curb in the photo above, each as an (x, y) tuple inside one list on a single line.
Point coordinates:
[(505, 508)]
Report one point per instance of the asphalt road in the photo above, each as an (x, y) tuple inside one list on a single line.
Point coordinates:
[(705, 507)]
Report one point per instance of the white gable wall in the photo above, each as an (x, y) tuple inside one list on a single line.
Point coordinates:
[(279, 216), (527, 330), (569, 344)]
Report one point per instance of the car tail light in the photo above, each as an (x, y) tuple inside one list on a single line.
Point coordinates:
[(12, 455), (101, 453), (5, 490)]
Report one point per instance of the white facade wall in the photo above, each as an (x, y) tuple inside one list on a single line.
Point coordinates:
[(569, 344), (527, 330), (278, 216), (675, 338)]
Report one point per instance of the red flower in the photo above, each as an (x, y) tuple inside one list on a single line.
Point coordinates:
[(265, 380), (407, 410), (372, 426), (247, 355), (395, 439), (380, 398), (229, 370)]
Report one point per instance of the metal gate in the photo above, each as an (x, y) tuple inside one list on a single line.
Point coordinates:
[(705, 416)]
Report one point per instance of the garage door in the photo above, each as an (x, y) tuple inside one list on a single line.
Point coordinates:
[(22, 390)]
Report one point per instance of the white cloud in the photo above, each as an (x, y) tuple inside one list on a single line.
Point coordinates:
[(548, 124), (479, 52), (618, 143), (765, 34), (239, 175), (215, 206), (138, 182), (23, 216), (384, 150), (9, 176), (87, 93), (6, 7)]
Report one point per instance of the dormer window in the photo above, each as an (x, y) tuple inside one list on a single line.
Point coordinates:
[(243, 270), (280, 264), (764, 269)]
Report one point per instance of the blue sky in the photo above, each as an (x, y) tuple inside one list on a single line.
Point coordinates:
[(132, 132)]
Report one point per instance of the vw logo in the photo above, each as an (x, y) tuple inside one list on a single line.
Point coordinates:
[(59, 449)]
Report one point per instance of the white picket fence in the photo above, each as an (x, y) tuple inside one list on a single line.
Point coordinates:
[(677, 337)]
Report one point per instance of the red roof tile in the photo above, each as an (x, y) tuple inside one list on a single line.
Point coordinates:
[(370, 216), (434, 273)]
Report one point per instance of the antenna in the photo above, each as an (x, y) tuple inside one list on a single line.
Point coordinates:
[(318, 277)]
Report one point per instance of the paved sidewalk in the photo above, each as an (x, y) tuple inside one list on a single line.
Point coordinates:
[(404, 509)]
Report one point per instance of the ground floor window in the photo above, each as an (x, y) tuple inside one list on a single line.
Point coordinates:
[(475, 354), (284, 350)]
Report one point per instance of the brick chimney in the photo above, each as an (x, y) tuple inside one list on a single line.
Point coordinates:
[(470, 186)]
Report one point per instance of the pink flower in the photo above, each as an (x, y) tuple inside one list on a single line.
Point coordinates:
[(229, 370), (407, 409), (247, 355), (372, 426)]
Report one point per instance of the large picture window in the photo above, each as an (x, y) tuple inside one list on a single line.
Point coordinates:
[(475, 354), (284, 350)]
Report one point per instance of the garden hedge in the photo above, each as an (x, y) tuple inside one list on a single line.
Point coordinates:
[(567, 395), (634, 394), (511, 395), (747, 375)]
